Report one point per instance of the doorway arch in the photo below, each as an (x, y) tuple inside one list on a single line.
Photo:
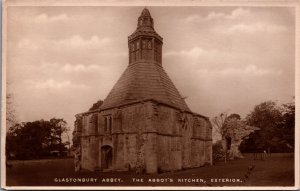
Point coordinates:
[(106, 157)]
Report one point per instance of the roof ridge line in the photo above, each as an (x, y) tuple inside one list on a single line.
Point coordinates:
[(175, 88)]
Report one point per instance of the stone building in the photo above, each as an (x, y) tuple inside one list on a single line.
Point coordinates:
[(143, 124), (236, 131)]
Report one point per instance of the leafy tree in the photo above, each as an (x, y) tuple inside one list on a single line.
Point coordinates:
[(29, 140), (276, 125), (218, 151), (11, 119), (287, 134)]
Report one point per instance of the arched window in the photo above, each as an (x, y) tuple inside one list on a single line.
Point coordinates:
[(144, 44), (108, 124), (149, 45), (105, 124), (94, 121)]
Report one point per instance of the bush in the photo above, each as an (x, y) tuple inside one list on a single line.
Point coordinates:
[(218, 151)]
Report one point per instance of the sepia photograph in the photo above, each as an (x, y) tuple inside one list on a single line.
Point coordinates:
[(150, 94)]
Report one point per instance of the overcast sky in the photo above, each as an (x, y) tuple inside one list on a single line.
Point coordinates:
[(224, 59)]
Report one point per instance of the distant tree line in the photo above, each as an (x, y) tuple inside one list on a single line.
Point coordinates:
[(37, 139)]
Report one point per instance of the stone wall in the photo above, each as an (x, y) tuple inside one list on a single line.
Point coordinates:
[(184, 139), (89, 143), (78, 125), (128, 138), (148, 137), (89, 155)]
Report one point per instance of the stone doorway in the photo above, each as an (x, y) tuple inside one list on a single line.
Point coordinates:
[(106, 157)]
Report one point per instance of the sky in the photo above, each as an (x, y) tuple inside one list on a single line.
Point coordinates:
[(61, 60)]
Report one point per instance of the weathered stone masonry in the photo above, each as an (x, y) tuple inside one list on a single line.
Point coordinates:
[(143, 124)]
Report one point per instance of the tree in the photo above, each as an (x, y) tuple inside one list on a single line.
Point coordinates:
[(277, 124), (11, 119), (287, 134), (37, 139), (27, 140)]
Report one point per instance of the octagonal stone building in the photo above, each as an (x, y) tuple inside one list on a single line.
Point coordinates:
[(144, 123)]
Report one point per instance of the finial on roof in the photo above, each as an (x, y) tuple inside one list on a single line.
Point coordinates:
[(145, 12), (145, 20)]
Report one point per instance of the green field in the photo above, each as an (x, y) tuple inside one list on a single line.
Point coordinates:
[(276, 170)]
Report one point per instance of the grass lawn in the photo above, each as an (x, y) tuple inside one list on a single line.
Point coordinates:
[(276, 170)]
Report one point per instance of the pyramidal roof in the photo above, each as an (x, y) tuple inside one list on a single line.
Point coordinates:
[(143, 80)]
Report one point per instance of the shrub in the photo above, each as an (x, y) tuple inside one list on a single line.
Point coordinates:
[(218, 151)]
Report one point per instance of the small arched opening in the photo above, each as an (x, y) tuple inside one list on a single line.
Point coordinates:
[(106, 157)]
